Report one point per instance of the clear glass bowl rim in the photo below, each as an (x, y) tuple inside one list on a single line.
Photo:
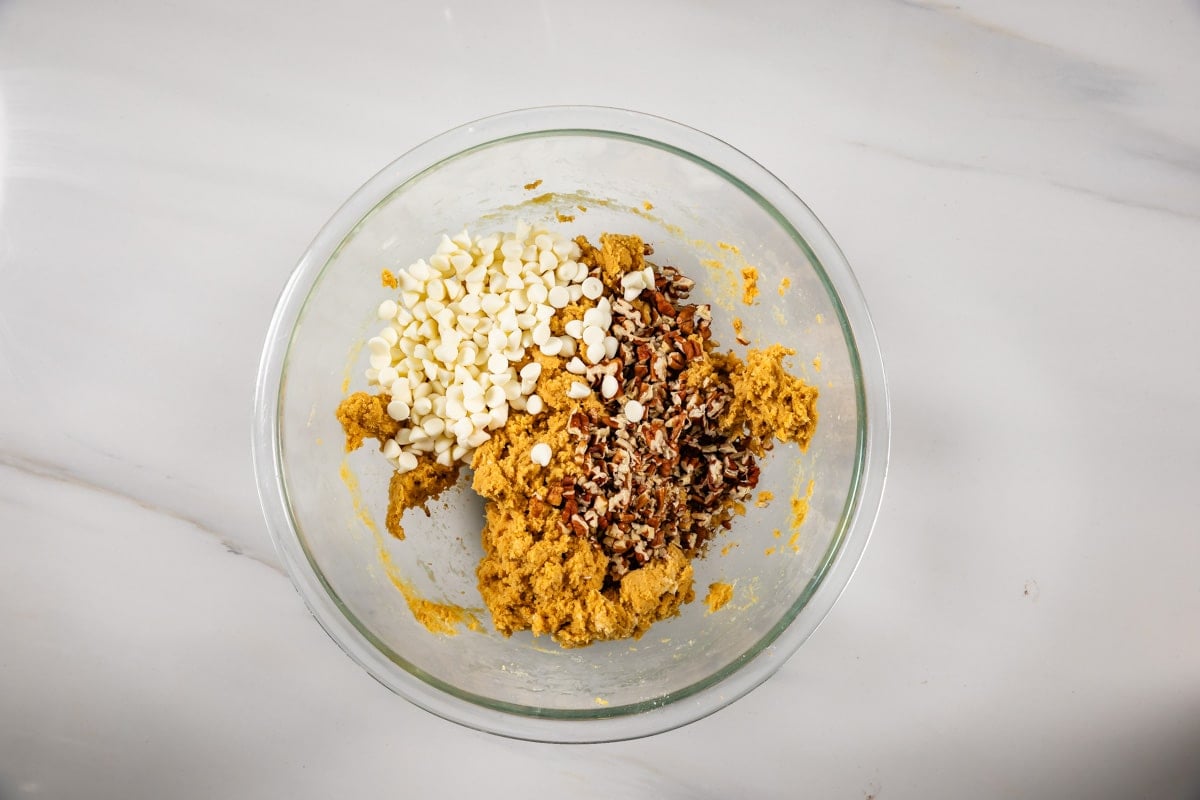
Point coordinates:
[(742, 674)]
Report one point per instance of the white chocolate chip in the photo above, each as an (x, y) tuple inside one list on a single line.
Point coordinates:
[(491, 304), (559, 297), (578, 391), (474, 404), (592, 288), (401, 390), (497, 363), (531, 371), (634, 411), (593, 335), (495, 397), (540, 454), (398, 410), (567, 271)]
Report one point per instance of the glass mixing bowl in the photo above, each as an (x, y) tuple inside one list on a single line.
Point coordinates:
[(706, 208)]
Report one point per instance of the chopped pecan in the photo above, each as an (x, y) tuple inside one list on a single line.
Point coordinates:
[(672, 478)]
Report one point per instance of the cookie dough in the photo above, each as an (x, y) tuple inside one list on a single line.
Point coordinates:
[(536, 574), (719, 594)]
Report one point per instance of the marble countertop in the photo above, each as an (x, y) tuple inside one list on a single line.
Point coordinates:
[(1017, 186)]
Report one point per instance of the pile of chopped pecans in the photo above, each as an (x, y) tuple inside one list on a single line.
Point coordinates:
[(659, 468)]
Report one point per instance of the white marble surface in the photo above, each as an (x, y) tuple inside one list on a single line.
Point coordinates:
[(1016, 184)]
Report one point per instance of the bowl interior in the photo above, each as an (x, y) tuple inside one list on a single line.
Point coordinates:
[(698, 218)]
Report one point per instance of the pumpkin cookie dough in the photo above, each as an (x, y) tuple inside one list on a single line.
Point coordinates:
[(364, 416), (632, 442), (719, 594), (539, 575)]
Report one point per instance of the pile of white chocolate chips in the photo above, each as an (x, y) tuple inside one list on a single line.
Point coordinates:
[(448, 352)]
